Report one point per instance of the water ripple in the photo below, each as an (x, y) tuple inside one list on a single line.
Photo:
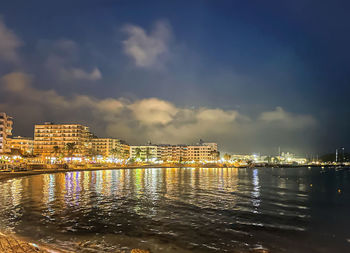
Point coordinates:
[(182, 210)]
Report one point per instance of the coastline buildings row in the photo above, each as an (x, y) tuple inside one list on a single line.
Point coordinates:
[(76, 140), (283, 158), (202, 151)]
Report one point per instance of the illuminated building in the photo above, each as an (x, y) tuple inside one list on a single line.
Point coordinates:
[(5, 131), (202, 152), (173, 152), (289, 158), (109, 147), (65, 139), (166, 152), (283, 158), (124, 149), (145, 152), (24, 144)]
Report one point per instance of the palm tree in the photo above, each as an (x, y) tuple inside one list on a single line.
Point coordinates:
[(116, 153), (227, 157), (137, 153), (70, 148), (92, 152), (215, 155), (148, 154), (55, 150)]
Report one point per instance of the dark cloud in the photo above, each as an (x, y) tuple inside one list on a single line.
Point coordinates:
[(245, 80), (9, 44), (153, 118), (148, 49)]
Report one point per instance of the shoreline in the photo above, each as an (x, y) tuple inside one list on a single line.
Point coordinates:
[(18, 244), (14, 243), (17, 174)]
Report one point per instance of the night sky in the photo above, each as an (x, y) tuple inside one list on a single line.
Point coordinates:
[(250, 75)]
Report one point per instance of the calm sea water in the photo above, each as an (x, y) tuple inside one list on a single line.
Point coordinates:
[(183, 209)]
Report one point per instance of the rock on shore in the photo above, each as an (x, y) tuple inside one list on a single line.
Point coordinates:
[(11, 244)]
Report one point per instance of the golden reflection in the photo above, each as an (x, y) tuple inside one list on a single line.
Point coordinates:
[(139, 180), (230, 179), (191, 185), (16, 192), (48, 188)]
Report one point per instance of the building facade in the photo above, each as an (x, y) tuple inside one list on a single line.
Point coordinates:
[(109, 147), (124, 149), (200, 152), (6, 123), (145, 152), (173, 153), (25, 145), (61, 139)]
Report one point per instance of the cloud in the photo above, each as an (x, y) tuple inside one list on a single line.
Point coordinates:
[(147, 49), (288, 120), (62, 56), (80, 74), (153, 111), (154, 119), (9, 44), (65, 46), (217, 115)]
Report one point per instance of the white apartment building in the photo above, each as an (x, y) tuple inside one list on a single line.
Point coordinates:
[(145, 152), (165, 152), (109, 147), (173, 152), (202, 152), (5, 131)]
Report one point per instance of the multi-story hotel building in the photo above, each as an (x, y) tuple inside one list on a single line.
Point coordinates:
[(145, 152), (25, 145), (109, 147), (124, 149), (173, 152), (202, 152), (65, 139), (5, 131)]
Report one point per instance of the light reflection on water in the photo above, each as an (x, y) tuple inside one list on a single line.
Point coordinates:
[(194, 209)]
